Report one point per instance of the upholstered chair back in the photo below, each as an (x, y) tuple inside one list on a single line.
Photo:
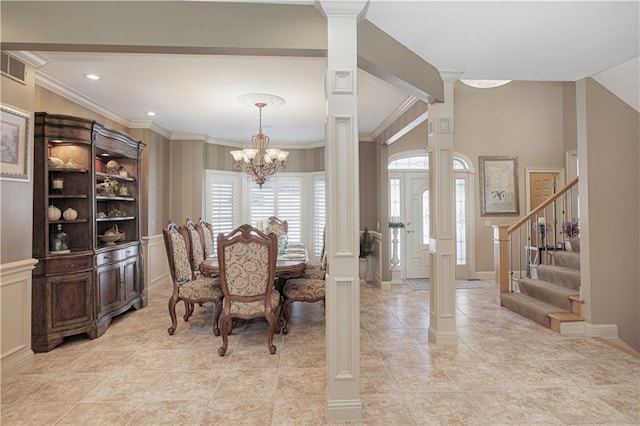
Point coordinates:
[(277, 226), (206, 232), (178, 252), (197, 250)]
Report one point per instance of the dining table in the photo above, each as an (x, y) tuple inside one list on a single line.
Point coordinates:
[(291, 263)]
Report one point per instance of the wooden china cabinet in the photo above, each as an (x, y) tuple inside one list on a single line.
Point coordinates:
[(86, 228)]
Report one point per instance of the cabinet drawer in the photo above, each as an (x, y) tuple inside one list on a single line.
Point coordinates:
[(66, 264), (116, 255)]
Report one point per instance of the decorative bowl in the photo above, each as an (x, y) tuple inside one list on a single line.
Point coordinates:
[(109, 240)]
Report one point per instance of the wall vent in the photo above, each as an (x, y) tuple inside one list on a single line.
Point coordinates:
[(13, 68)]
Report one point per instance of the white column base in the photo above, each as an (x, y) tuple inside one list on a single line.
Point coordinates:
[(443, 337), (396, 276), (344, 410)]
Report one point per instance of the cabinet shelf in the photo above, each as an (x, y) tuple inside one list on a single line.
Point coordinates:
[(66, 170), (113, 219), (114, 177), (68, 196), (52, 222), (107, 198)]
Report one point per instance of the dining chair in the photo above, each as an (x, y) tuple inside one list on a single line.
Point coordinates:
[(247, 259), (196, 257), (188, 287), (205, 230), (277, 226), (310, 287)]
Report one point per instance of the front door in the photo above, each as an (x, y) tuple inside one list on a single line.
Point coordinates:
[(417, 221)]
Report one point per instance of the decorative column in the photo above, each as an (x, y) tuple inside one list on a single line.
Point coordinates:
[(343, 213), (442, 242), (396, 271)]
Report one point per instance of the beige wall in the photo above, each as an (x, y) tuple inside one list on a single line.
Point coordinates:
[(520, 119), (369, 191), (611, 178), (17, 196)]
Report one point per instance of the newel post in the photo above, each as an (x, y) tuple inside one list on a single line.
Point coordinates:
[(501, 256)]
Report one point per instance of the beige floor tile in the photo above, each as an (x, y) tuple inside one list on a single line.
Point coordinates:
[(256, 410), (504, 370), (170, 413), (187, 386), (385, 410), (101, 413), (446, 408), (302, 382), (33, 413), (64, 388), (124, 386), (299, 411)]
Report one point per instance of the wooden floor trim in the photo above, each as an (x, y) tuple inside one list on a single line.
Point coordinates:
[(621, 348)]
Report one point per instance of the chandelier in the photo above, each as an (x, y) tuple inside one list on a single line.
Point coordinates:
[(260, 162)]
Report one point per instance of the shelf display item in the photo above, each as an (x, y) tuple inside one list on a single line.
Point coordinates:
[(60, 241), (53, 213), (70, 214)]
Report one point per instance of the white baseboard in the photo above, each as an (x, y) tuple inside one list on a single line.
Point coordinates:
[(608, 331), (385, 285), (485, 275)]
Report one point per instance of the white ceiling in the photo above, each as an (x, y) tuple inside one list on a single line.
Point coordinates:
[(196, 94)]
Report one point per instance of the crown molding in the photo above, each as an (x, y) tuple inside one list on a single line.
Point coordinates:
[(404, 107), (66, 92), (31, 58), (149, 124)]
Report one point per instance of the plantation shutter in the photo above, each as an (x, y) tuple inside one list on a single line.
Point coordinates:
[(222, 203), (319, 214)]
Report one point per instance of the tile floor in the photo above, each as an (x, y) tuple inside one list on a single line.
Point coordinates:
[(505, 370)]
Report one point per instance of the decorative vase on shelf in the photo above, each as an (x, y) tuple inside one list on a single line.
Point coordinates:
[(60, 241)]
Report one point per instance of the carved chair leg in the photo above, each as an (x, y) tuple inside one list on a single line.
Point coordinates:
[(172, 313), (188, 310), (286, 313), (272, 323), (225, 326), (217, 306)]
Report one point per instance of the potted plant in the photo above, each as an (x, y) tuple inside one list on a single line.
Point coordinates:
[(396, 225), (367, 248)]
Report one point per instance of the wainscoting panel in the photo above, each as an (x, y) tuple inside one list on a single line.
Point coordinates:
[(156, 263), (15, 316)]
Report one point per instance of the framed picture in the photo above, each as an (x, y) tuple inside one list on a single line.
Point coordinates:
[(14, 149), (499, 193)]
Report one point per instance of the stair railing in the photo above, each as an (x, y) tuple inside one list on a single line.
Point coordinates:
[(532, 239)]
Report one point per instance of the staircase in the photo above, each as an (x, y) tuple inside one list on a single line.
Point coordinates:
[(551, 295)]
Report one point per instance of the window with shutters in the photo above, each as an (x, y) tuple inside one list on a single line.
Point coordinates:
[(281, 197), (222, 207), (233, 199), (319, 213)]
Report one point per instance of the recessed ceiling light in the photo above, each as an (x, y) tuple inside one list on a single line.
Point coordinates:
[(151, 114), (485, 84), (92, 77)]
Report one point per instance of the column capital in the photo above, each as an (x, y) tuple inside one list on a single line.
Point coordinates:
[(450, 76), (343, 8)]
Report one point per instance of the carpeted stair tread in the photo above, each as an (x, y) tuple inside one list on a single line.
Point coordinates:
[(559, 275), (548, 292), (568, 259), (529, 307)]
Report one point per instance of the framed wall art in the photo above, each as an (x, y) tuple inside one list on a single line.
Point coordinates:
[(14, 147), (499, 193)]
